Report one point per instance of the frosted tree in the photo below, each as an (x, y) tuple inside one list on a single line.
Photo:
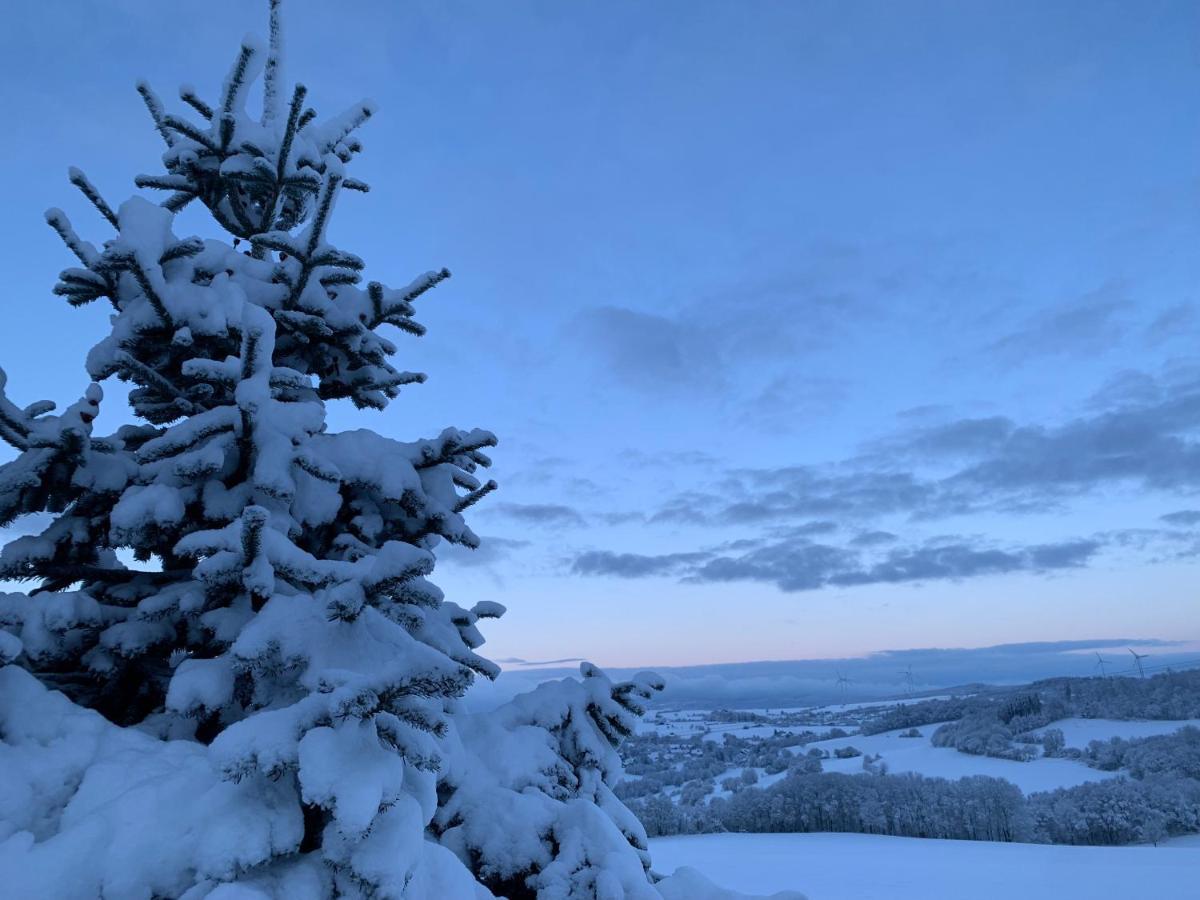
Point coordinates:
[(244, 594), (529, 798), (288, 619)]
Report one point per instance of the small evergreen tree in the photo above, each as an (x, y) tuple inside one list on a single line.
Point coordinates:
[(230, 574)]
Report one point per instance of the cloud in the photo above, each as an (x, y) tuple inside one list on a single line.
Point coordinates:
[(1126, 389), (959, 560), (491, 551), (1144, 437), (790, 565), (1086, 325), (1062, 555), (790, 399), (799, 564), (873, 539), (620, 518), (806, 529), (668, 459), (1183, 518), (750, 496), (1138, 432), (549, 514), (633, 565), (745, 338), (964, 437), (1176, 322), (649, 351)]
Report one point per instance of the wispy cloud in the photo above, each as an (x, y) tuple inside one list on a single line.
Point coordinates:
[(872, 538), (491, 551), (1144, 437), (549, 514), (1185, 518), (744, 339), (799, 564), (1178, 321), (634, 565), (1088, 324)]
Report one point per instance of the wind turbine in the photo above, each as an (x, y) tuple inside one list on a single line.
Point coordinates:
[(1101, 662), (908, 679), (1137, 661)]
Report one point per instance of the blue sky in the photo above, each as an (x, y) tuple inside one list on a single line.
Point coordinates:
[(809, 329)]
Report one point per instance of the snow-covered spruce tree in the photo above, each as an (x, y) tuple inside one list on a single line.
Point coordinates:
[(275, 622), (529, 803)]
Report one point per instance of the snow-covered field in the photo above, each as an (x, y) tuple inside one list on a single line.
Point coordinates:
[(919, 756), (911, 754), (690, 723), (1079, 732), (787, 719), (718, 730), (835, 708), (684, 723), (871, 867)]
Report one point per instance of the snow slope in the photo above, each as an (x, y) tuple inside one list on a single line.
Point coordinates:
[(835, 708), (919, 756), (717, 730), (1079, 732), (872, 867)]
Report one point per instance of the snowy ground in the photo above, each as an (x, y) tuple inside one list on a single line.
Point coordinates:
[(789, 719), (764, 780), (717, 731), (691, 723), (871, 867), (901, 754), (835, 708), (1079, 732), (682, 722), (919, 756)]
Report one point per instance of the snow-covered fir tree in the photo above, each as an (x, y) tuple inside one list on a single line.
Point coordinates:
[(231, 676)]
